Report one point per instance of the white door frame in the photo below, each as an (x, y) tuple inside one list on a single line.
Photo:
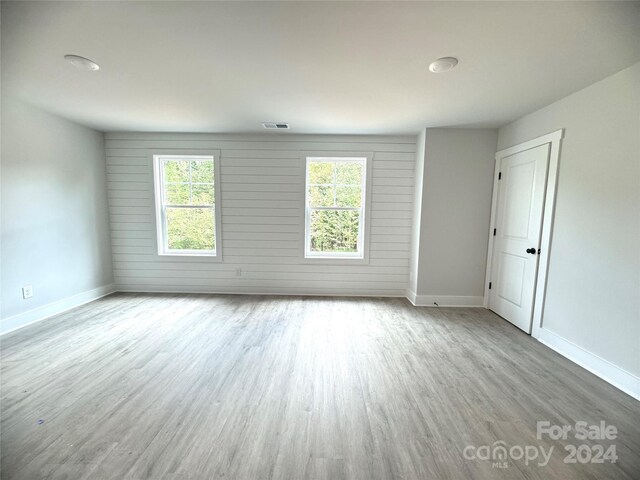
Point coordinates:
[(555, 139)]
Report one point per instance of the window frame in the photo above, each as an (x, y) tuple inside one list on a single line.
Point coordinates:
[(163, 249), (339, 258)]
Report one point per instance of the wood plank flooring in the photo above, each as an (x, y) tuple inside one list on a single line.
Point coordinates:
[(142, 386)]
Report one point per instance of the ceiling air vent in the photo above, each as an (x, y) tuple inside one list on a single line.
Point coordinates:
[(275, 126)]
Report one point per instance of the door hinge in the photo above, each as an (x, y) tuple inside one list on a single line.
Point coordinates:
[(489, 285), (499, 175), (494, 232)]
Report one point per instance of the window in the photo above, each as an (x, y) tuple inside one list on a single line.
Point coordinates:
[(335, 207), (188, 221)]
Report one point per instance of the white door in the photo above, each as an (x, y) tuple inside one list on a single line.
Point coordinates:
[(520, 206)]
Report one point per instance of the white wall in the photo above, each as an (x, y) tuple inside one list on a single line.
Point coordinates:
[(262, 187), (454, 215), (593, 292), (54, 223)]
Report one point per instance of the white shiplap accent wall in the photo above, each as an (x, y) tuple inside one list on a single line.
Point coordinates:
[(262, 186)]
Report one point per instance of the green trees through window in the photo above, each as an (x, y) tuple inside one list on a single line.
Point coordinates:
[(188, 203), (335, 189)]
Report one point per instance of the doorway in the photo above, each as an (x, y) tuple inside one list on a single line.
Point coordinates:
[(520, 233)]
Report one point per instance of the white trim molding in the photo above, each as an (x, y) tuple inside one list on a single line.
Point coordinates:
[(43, 312), (616, 376), (157, 157), (411, 296), (275, 293), (444, 300), (554, 139), (364, 236)]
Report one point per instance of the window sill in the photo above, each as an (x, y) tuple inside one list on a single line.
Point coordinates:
[(336, 260), (208, 256)]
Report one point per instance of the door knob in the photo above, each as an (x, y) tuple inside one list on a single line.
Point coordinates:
[(532, 251)]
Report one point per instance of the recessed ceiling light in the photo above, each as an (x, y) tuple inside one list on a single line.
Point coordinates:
[(276, 126), (81, 62), (443, 64)]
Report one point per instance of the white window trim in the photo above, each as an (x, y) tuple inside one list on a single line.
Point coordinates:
[(363, 240), (163, 251)]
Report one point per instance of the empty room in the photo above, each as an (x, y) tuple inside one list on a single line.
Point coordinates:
[(320, 240)]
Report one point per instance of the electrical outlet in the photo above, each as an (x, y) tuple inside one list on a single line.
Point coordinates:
[(238, 272), (27, 291)]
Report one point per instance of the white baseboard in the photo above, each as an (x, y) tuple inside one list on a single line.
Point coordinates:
[(411, 296), (444, 300), (616, 376), (278, 293), (20, 320)]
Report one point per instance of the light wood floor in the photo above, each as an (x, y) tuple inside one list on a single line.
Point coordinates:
[(247, 387)]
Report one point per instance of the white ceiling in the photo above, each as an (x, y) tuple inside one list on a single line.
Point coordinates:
[(324, 67)]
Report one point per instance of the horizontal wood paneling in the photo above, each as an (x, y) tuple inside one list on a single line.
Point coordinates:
[(262, 188)]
